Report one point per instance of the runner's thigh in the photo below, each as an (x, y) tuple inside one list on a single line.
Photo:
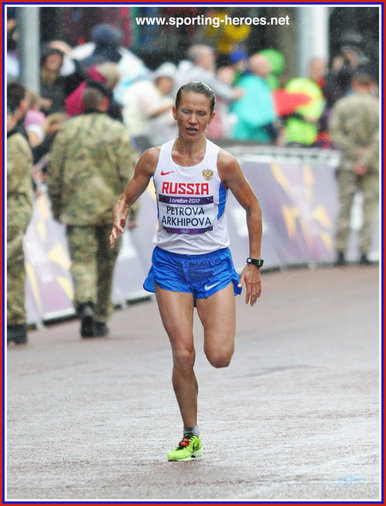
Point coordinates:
[(218, 316), (176, 310)]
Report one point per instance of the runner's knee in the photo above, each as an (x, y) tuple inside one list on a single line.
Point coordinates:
[(219, 358), (184, 360)]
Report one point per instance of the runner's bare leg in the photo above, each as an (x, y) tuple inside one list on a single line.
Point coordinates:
[(218, 316), (176, 310)]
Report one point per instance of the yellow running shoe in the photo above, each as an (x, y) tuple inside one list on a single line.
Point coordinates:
[(189, 448)]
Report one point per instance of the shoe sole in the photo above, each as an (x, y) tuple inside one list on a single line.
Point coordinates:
[(195, 455)]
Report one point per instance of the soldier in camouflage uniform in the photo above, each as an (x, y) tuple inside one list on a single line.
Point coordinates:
[(92, 160), (354, 129), (19, 212)]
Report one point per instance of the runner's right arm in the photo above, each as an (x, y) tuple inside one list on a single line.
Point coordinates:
[(144, 171)]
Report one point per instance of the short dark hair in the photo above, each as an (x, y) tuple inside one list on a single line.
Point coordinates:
[(97, 85), (16, 93), (11, 108), (92, 98), (363, 77), (197, 87), (93, 94)]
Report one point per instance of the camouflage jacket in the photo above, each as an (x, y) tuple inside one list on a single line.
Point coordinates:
[(92, 160), (354, 125), (19, 184)]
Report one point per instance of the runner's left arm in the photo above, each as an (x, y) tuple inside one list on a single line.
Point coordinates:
[(233, 178)]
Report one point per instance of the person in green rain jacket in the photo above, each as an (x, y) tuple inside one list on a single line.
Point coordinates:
[(254, 110), (301, 127), (92, 160)]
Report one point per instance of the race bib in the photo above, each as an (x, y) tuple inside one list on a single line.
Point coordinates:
[(186, 215)]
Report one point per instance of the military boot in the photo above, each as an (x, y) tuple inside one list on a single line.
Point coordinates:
[(86, 315), (17, 334)]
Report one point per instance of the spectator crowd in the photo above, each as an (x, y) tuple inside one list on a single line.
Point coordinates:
[(255, 100)]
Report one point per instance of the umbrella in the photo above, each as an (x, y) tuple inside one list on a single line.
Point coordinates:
[(286, 102)]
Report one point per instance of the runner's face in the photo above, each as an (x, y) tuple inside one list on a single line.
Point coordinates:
[(193, 115)]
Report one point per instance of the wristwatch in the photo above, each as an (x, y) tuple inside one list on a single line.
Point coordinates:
[(259, 262)]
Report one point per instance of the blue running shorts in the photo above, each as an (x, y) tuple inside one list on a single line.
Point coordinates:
[(201, 275)]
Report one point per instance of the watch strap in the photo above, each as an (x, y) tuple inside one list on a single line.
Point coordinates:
[(258, 262)]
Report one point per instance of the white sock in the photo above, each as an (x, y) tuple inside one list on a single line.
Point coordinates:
[(192, 430)]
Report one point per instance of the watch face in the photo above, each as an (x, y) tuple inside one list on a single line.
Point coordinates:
[(256, 261)]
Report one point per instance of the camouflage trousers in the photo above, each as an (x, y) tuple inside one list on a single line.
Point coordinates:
[(16, 314), (349, 184), (92, 267)]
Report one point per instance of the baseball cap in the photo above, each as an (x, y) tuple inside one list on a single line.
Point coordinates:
[(167, 69), (237, 56)]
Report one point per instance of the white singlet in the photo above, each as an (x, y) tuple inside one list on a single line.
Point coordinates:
[(191, 204)]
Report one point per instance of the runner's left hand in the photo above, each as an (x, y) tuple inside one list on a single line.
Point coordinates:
[(250, 277)]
